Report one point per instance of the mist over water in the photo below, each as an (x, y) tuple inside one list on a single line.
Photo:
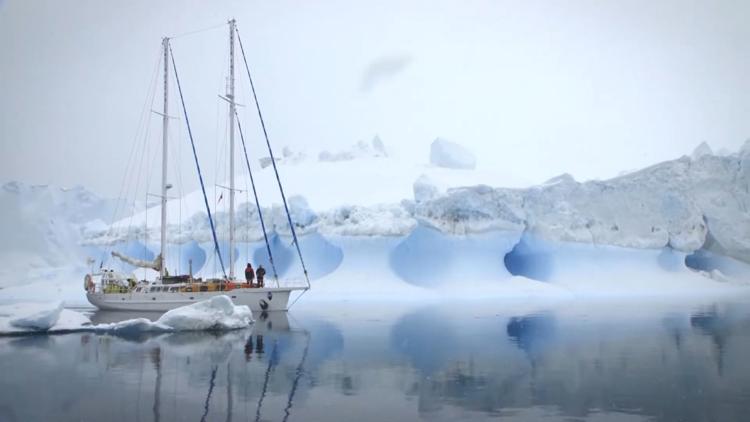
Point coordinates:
[(575, 360)]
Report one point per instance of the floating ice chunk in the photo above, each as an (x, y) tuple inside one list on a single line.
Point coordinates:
[(33, 317), (41, 318), (451, 155), (359, 150), (288, 156), (217, 313)]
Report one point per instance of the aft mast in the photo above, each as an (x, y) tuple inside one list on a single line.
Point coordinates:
[(232, 112), (164, 185)]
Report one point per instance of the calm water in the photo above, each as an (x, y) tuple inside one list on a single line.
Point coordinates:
[(571, 361)]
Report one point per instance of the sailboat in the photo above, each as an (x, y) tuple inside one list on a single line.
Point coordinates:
[(110, 290)]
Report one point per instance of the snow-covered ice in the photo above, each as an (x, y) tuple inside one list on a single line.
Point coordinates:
[(36, 317), (217, 313)]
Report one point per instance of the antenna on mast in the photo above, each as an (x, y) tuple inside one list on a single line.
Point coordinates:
[(164, 184), (232, 112)]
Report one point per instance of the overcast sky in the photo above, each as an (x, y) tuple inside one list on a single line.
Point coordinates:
[(538, 87)]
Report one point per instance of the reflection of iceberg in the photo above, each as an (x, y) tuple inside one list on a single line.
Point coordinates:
[(531, 333), (718, 328), (428, 341)]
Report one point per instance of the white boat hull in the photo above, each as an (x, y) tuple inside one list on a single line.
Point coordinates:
[(258, 299)]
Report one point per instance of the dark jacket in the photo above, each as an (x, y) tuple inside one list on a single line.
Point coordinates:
[(249, 273)]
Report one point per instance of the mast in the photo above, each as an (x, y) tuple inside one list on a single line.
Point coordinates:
[(164, 186), (230, 96)]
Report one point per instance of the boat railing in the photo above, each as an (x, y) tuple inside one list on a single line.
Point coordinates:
[(293, 282)]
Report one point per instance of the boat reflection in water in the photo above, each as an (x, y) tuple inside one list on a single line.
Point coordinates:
[(614, 362)]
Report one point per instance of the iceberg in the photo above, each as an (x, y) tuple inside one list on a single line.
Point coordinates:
[(667, 219), (673, 209)]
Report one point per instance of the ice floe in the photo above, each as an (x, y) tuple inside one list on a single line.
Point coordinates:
[(217, 313)]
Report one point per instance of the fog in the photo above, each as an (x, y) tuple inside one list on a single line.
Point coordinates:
[(592, 88)]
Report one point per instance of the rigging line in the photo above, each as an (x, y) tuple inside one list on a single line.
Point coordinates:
[(133, 147), (178, 170), (157, 387), (257, 203), (146, 134), (149, 179), (229, 393), (136, 190), (120, 199), (174, 166), (135, 187), (144, 131), (140, 388), (295, 300), (211, 385), (144, 111), (271, 361), (197, 165), (248, 217), (221, 140), (273, 160), (300, 370), (219, 145), (197, 31), (219, 168)]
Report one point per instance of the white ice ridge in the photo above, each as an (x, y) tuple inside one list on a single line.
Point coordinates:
[(686, 204), (217, 313)]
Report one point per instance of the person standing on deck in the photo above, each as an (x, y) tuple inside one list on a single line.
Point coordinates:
[(249, 274), (261, 275)]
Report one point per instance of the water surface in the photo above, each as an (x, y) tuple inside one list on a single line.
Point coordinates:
[(613, 361)]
